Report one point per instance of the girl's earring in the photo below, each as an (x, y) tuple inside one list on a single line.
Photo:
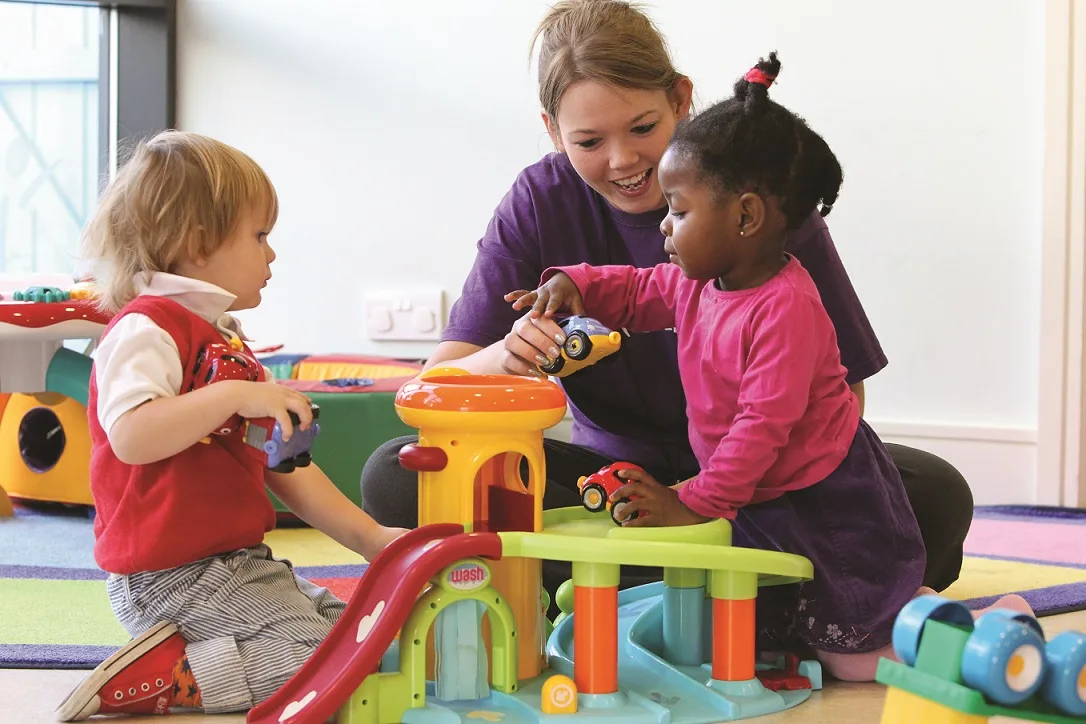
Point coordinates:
[(742, 233)]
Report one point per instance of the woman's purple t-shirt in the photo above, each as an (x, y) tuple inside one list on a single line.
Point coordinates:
[(630, 406)]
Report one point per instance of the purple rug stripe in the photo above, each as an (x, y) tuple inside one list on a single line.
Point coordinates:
[(53, 656), (1048, 601), (53, 574), (1018, 512), (94, 574), (350, 570), (1033, 561)]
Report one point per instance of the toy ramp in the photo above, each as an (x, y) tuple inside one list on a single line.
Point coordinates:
[(387, 593)]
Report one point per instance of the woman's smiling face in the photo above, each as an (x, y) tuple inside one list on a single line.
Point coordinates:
[(614, 138)]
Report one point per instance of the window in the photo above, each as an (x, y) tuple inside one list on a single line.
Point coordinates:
[(77, 78), (49, 95)]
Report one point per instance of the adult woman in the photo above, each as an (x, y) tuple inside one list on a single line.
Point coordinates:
[(610, 101)]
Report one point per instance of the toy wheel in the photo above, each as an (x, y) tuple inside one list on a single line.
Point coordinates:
[(578, 346), (553, 368), (286, 466), (1065, 685), (618, 511), (594, 497), (1004, 658), (302, 460), (910, 622)]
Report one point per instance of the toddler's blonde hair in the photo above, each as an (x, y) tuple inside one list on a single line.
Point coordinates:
[(178, 196)]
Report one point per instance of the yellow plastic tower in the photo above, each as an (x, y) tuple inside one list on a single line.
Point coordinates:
[(475, 431), (45, 449)]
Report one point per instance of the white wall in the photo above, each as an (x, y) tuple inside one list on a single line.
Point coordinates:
[(393, 129)]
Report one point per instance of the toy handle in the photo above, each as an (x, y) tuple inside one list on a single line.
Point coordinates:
[(423, 458)]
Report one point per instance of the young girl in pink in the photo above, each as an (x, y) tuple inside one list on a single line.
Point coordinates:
[(781, 446), (180, 239)]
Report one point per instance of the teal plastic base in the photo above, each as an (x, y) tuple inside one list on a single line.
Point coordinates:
[(650, 689)]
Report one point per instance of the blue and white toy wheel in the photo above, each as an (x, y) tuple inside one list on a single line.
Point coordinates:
[(910, 622), (1065, 685), (1005, 657)]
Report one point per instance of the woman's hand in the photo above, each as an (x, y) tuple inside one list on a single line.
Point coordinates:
[(654, 504), (557, 293), (536, 338)]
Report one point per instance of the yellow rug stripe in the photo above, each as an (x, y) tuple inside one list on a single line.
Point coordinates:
[(309, 547), (987, 577)]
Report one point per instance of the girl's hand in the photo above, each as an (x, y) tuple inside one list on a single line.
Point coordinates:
[(557, 293), (536, 338), (260, 399), (655, 504)]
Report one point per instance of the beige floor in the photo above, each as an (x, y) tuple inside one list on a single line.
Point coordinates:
[(28, 696)]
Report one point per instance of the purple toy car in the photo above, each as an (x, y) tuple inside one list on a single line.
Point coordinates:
[(266, 434)]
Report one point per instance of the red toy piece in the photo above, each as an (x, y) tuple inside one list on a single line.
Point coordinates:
[(787, 678), (596, 490), (219, 361)]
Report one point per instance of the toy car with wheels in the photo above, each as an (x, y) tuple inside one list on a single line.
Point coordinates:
[(217, 362), (587, 342), (998, 665), (596, 490), (266, 434)]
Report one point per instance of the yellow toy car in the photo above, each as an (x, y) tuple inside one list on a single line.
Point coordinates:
[(587, 342)]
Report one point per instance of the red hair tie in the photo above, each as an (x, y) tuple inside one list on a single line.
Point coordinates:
[(757, 75)]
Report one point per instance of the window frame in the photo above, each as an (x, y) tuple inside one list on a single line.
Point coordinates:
[(137, 76)]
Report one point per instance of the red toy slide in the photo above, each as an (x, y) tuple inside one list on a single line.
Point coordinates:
[(386, 595)]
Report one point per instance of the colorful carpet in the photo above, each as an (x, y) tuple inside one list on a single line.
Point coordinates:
[(53, 607), (54, 612)]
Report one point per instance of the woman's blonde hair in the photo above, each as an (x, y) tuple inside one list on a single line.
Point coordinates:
[(607, 41), (178, 196)]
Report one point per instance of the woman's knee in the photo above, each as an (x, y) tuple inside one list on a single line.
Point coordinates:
[(934, 485), (386, 485)]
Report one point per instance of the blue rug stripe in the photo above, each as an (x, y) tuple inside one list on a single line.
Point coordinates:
[(53, 656), (52, 573), (1048, 601), (351, 570)]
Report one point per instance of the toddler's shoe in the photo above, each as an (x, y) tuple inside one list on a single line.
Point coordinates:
[(137, 679)]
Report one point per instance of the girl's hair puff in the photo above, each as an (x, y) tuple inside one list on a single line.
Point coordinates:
[(178, 196), (750, 143), (607, 41)]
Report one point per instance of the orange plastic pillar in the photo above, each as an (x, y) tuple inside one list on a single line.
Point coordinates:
[(595, 627), (733, 595)]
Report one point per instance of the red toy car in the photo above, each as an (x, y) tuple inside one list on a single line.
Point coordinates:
[(217, 362), (596, 490)]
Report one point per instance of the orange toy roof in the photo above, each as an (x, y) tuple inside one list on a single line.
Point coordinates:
[(480, 393)]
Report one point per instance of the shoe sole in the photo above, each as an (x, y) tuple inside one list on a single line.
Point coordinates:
[(82, 702)]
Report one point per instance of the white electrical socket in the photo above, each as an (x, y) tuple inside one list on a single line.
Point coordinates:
[(405, 314)]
